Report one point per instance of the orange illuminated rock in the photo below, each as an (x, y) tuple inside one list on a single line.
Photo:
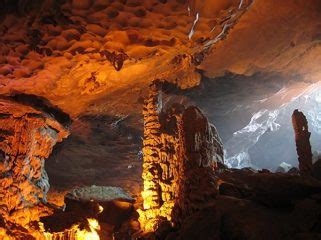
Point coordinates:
[(181, 151), (80, 51), (27, 137)]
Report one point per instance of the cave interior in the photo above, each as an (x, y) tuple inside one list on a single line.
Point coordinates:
[(160, 120)]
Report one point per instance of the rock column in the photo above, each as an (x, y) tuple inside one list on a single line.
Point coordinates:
[(158, 173), (181, 153), (201, 151), (302, 140)]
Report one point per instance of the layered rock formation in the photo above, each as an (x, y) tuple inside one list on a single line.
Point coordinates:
[(181, 152), (27, 137), (302, 140)]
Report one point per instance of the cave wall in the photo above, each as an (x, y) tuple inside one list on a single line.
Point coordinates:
[(27, 137)]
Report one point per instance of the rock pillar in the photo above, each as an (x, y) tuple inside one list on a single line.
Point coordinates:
[(181, 151), (302, 140)]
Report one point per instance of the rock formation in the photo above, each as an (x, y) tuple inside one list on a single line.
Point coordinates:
[(202, 151), (61, 50), (27, 137), (85, 206), (181, 152), (302, 140), (253, 205)]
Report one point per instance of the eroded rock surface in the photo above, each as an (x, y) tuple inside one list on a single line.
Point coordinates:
[(181, 153), (27, 137)]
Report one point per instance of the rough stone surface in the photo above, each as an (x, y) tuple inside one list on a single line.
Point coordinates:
[(181, 152), (27, 137), (99, 193), (62, 50), (111, 206), (258, 206), (302, 140)]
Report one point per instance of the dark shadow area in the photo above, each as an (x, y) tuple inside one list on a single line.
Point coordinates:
[(101, 150), (42, 104)]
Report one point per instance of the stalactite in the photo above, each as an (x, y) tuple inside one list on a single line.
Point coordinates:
[(302, 140)]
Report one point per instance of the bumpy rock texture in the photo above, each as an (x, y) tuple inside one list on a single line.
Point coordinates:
[(302, 139), (27, 137), (181, 152), (202, 151), (65, 49)]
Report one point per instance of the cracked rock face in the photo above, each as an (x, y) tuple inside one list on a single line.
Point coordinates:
[(181, 152), (27, 137)]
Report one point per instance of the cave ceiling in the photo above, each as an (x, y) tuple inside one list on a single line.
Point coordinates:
[(99, 56)]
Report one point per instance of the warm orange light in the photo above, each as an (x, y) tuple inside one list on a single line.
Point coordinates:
[(89, 235), (77, 233), (101, 209)]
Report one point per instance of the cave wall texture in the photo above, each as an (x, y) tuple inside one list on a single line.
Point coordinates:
[(247, 63), (27, 137), (95, 60)]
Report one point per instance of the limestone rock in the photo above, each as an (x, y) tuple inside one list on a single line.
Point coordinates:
[(277, 190), (27, 137), (201, 153), (302, 139), (181, 152), (284, 168), (109, 205), (114, 204), (258, 206)]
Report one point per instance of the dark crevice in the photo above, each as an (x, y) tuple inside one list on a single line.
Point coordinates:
[(43, 105)]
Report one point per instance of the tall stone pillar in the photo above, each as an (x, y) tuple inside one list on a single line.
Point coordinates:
[(201, 152), (302, 140), (181, 153), (158, 193)]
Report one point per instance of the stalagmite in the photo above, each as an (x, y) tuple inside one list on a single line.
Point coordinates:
[(302, 140), (201, 153), (181, 151), (27, 137)]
